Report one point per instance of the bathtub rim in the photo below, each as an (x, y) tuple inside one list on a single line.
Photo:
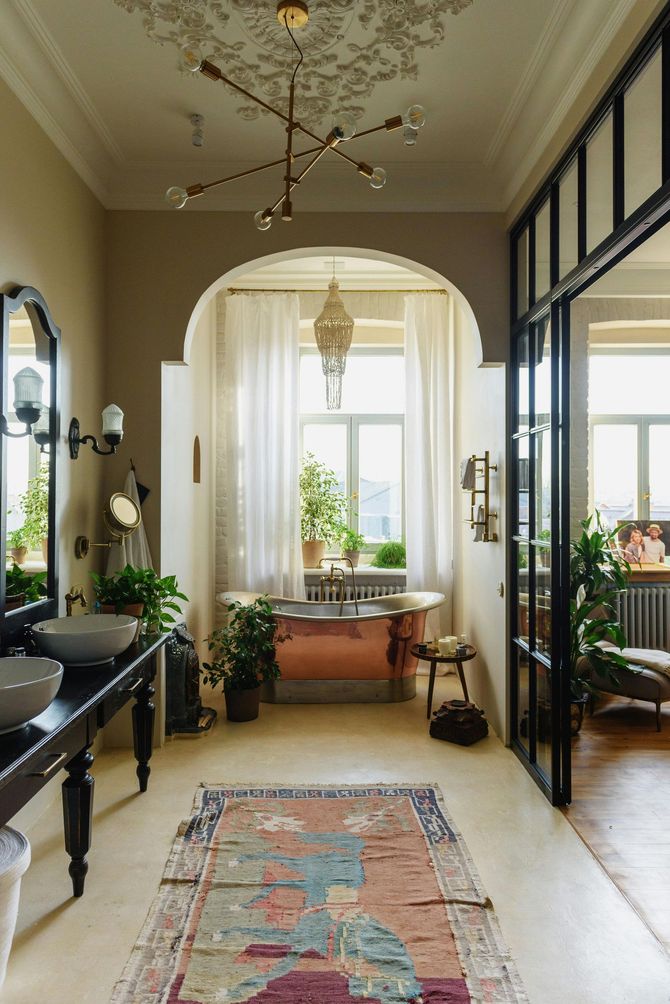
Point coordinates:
[(430, 600)]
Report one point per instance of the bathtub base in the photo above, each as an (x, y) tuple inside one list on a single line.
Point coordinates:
[(339, 691)]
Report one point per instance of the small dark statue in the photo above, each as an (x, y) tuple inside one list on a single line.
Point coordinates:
[(184, 711), (459, 722)]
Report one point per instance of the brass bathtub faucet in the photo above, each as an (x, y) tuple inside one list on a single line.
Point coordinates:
[(337, 575)]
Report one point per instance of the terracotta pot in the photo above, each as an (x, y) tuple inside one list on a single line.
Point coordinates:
[(353, 557), (18, 554), (45, 550), (312, 552), (14, 602), (577, 706), (132, 610), (243, 705)]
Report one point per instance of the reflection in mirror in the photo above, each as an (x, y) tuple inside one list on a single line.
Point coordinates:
[(27, 468)]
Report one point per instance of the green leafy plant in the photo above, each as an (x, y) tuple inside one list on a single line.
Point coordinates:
[(392, 554), (17, 539), (598, 574), (322, 504), (18, 582), (141, 585), (352, 541), (34, 503), (244, 652)]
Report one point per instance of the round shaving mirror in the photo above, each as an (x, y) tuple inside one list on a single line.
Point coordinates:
[(121, 515)]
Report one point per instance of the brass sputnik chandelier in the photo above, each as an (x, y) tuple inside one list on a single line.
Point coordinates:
[(294, 15)]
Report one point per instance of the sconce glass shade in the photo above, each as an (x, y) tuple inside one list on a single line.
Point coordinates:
[(112, 423), (28, 386)]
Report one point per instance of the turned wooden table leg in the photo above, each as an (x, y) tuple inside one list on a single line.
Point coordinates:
[(431, 686), (144, 712), (78, 816)]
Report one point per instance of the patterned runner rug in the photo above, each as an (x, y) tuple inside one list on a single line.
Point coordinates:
[(319, 896)]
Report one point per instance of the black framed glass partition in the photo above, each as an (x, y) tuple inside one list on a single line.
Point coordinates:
[(607, 193)]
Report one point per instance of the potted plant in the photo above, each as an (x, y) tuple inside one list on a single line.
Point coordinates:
[(392, 554), (140, 593), (322, 509), (21, 588), (352, 543), (17, 545), (598, 574), (35, 505), (243, 657)]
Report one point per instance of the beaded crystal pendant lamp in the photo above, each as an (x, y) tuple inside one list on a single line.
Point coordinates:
[(333, 330), (294, 16)]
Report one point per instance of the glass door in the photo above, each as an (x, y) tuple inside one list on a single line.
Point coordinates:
[(538, 692)]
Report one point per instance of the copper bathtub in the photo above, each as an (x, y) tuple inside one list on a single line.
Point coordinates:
[(356, 657)]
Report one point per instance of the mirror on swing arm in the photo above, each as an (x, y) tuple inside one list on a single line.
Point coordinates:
[(121, 516)]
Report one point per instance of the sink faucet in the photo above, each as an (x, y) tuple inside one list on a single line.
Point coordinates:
[(76, 595)]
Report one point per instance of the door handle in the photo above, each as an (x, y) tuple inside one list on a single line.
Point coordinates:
[(646, 495)]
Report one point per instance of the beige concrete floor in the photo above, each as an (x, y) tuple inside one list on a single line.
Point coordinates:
[(574, 936)]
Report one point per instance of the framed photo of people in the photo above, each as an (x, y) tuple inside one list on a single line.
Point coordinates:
[(645, 542)]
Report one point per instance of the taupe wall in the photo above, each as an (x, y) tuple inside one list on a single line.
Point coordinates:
[(159, 264), (52, 232)]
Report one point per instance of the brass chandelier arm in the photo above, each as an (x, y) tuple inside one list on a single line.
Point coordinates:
[(269, 213)]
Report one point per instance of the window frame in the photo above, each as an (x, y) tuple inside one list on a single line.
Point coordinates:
[(353, 421)]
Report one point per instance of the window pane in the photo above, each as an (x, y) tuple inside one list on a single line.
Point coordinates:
[(659, 472), (522, 273), (523, 703), (523, 485), (614, 466), (542, 373), (328, 443), (642, 135), (599, 185), (543, 485), (629, 384), (380, 482), (543, 720), (523, 616), (543, 600), (567, 229), (523, 385), (542, 251), (372, 385)]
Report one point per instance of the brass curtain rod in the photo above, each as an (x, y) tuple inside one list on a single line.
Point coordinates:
[(234, 289)]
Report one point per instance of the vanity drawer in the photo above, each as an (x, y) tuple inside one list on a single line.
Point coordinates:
[(41, 769), (127, 690)]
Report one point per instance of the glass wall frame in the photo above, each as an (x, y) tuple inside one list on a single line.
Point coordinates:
[(549, 762)]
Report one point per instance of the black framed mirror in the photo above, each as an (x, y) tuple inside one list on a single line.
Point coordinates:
[(28, 458)]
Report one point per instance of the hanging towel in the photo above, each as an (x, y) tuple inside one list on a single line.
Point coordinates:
[(479, 524), (468, 475), (134, 550)]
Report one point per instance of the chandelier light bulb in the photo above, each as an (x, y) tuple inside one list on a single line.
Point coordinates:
[(414, 117), (262, 221), (409, 136), (344, 126), (191, 58), (378, 177), (176, 197)]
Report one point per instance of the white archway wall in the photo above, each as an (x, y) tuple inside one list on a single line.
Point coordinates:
[(587, 311)]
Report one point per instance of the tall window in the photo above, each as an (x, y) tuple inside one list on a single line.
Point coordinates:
[(630, 433), (363, 442)]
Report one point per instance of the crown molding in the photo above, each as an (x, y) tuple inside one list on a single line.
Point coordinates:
[(529, 79)]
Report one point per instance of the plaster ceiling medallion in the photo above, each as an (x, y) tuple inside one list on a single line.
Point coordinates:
[(350, 46)]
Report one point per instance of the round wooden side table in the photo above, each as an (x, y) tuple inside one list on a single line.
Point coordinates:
[(433, 658)]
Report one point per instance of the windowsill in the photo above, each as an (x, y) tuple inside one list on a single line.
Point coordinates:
[(369, 571)]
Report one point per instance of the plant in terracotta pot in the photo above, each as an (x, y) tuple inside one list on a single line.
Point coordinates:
[(352, 544), (140, 593), (322, 509), (17, 545), (21, 588), (243, 657)]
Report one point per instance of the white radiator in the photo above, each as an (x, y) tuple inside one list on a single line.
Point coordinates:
[(366, 592), (644, 612)]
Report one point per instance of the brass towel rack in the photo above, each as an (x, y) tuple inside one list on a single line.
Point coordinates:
[(476, 502)]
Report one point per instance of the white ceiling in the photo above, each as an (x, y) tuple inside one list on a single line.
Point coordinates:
[(117, 105)]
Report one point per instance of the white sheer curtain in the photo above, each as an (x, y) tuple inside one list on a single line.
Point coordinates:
[(261, 400), (429, 325)]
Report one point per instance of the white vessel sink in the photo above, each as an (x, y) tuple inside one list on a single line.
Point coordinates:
[(27, 688), (88, 640)]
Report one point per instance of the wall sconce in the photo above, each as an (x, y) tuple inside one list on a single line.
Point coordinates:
[(41, 432), (28, 386), (112, 433)]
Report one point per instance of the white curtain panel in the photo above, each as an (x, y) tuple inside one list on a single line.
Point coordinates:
[(261, 400), (429, 368)]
